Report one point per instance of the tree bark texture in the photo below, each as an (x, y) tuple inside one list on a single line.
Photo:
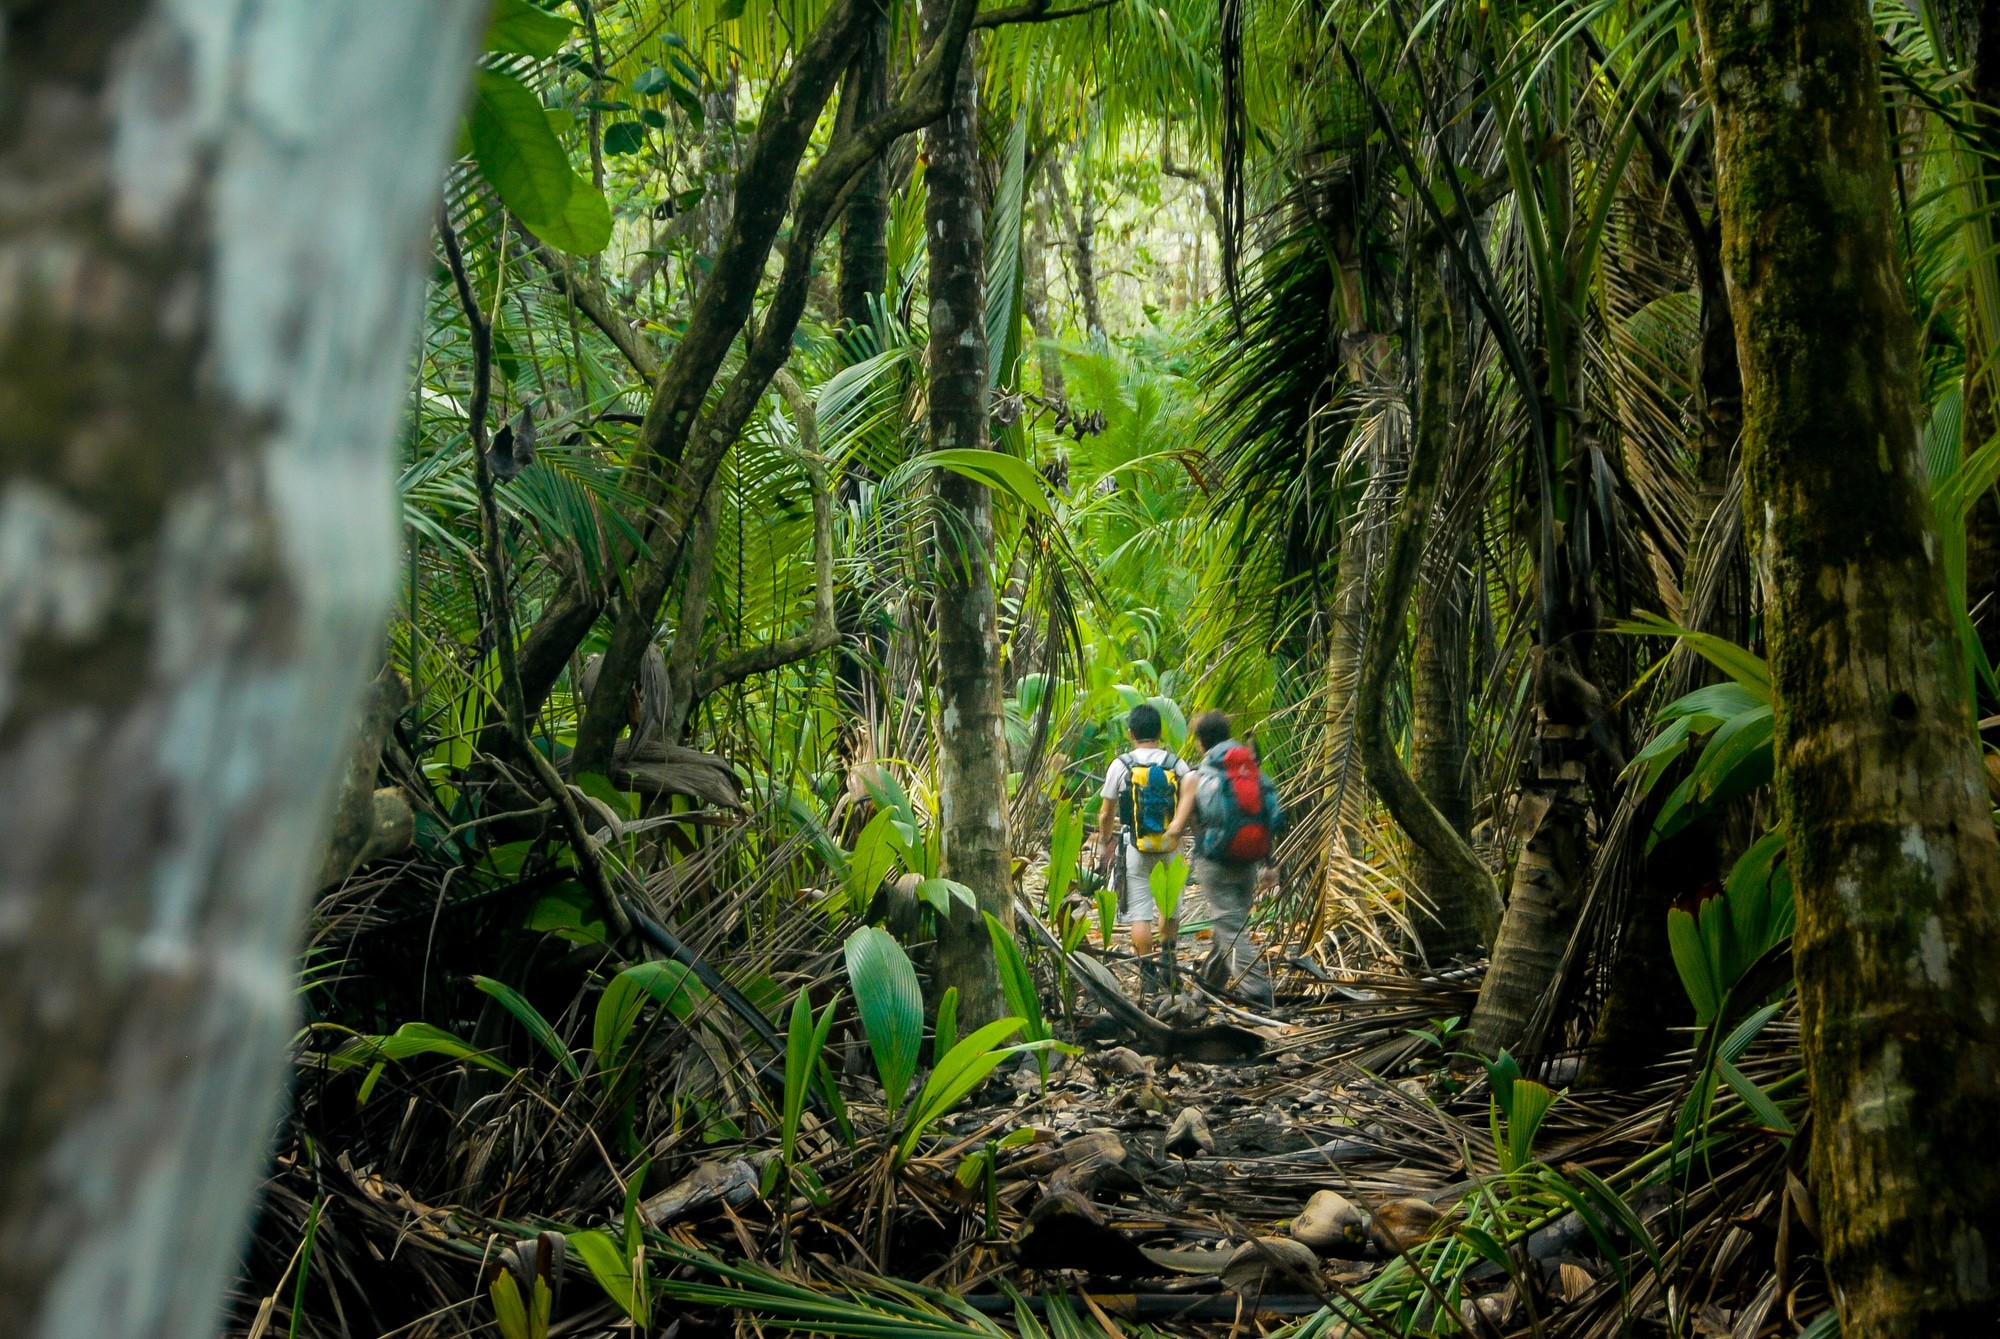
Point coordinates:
[(1439, 690), (1541, 912), (1464, 891), (864, 223), (210, 275), (1879, 783), (971, 734), (1082, 231), (687, 445)]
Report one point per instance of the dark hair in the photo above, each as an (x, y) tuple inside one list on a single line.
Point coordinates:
[(1211, 728), (1144, 722)]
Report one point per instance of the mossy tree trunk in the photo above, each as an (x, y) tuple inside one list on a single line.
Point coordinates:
[(1463, 892), (971, 734), (209, 285), (1879, 781)]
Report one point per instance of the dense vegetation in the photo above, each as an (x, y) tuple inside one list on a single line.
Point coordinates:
[(1563, 437)]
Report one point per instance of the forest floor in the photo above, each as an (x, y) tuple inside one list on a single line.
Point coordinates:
[(1358, 1163)]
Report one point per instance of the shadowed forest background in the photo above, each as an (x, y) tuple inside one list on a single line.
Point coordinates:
[(1561, 436)]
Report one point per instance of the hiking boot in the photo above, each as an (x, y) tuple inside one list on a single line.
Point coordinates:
[(1149, 977)]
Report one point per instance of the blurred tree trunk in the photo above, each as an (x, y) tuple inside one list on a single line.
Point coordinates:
[(1879, 784), (210, 284), (1081, 225), (971, 734), (1035, 296)]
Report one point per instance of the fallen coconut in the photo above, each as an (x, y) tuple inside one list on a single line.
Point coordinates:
[(1188, 1136), (1403, 1224), (1330, 1221), (1271, 1264)]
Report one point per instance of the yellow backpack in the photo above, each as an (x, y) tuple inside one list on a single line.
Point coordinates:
[(1152, 794)]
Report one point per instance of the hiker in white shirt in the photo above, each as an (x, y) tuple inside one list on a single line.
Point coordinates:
[(1141, 796)]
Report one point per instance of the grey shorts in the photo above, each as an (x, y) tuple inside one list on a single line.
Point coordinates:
[(1139, 867)]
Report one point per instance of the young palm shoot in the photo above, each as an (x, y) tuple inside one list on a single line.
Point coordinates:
[(1169, 879)]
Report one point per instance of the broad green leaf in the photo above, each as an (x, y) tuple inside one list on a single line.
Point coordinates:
[(532, 1019), (997, 470), (1065, 848), (962, 1070), (1741, 665), (623, 137), (584, 229), (520, 28), (874, 856), (409, 1041), (599, 787), (891, 1005), (613, 1272), (651, 81), (1691, 960), (1168, 881), (944, 1035), (939, 893), (569, 912), (1016, 981), (670, 983), (509, 1312), (518, 153)]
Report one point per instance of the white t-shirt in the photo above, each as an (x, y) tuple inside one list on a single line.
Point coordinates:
[(1146, 755)]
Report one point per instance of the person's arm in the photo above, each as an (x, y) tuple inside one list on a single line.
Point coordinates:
[(1184, 814), (1107, 825)]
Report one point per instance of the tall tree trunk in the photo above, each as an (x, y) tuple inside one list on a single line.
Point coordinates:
[(971, 734), (864, 275), (210, 290), (1879, 783), (1464, 890), (1439, 689), (864, 221)]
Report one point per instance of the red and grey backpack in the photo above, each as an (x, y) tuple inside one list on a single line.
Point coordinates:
[(1238, 805)]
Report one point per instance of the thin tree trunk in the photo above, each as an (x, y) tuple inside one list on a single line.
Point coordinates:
[(1035, 300), (864, 223), (686, 444), (1464, 891), (1439, 686), (684, 660), (864, 276), (1082, 243), (1879, 783), (971, 735), (211, 288)]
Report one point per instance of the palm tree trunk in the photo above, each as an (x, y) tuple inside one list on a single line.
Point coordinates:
[(1879, 783), (1439, 671), (971, 734), (204, 349), (1464, 890)]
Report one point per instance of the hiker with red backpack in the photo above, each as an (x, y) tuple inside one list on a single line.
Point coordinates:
[(1236, 809), (1142, 794)]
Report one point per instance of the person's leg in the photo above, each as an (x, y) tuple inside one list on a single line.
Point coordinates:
[(1141, 910), (1234, 960)]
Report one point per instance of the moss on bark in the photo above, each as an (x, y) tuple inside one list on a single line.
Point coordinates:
[(1879, 783)]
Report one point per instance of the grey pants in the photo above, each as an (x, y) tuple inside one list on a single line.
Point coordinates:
[(1229, 889)]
